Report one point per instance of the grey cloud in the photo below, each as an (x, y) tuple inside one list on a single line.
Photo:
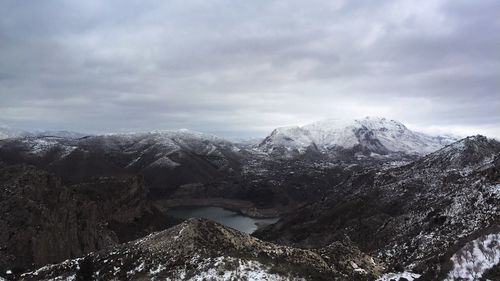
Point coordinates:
[(241, 68)]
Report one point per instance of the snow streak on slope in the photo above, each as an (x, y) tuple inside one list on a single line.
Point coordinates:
[(397, 276), (477, 256)]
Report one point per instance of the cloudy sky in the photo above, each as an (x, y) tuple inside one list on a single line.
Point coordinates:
[(241, 68)]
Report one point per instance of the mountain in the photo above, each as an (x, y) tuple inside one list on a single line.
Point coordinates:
[(8, 132), (204, 250), (414, 217), (59, 134), (370, 136), (470, 152), (156, 155)]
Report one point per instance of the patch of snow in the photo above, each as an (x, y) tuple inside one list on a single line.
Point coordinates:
[(495, 189), (357, 268), (228, 268), (477, 256), (180, 232), (157, 270), (410, 276), (137, 269)]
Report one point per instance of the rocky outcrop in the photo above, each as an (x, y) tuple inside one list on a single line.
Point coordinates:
[(44, 221), (198, 249)]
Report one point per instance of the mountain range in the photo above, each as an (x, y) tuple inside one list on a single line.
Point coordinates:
[(362, 199)]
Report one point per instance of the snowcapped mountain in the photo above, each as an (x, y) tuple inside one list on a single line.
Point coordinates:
[(169, 142), (8, 132), (59, 134), (368, 135), (167, 159)]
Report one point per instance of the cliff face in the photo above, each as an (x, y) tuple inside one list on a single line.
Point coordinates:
[(44, 221)]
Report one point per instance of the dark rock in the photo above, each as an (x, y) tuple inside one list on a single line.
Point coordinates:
[(44, 221)]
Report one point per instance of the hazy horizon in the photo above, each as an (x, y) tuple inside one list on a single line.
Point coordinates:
[(243, 137)]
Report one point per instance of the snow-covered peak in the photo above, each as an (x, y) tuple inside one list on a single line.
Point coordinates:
[(384, 134), (292, 134), (372, 123), (7, 132), (381, 123), (288, 141)]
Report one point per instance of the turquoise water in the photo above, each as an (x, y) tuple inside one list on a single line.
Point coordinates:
[(223, 216)]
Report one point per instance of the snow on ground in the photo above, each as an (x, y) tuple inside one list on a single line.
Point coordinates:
[(228, 268), (395, 276), (477, 256)]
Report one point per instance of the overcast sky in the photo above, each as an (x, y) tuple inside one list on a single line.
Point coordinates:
[(241, 68)]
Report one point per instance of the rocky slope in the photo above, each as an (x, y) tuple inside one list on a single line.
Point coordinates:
[(204, 250), (414, 216), (44, 221)]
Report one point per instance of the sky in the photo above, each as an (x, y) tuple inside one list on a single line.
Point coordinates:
[(238, 69)]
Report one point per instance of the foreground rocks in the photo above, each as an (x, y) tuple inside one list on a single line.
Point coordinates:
[(44, 221), (198, 249)]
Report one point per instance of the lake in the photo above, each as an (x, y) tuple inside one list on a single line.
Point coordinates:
[(223, 216)]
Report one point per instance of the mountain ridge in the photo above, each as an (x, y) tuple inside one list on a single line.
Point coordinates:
[(414, 216), (368, 135), (199, 249)]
